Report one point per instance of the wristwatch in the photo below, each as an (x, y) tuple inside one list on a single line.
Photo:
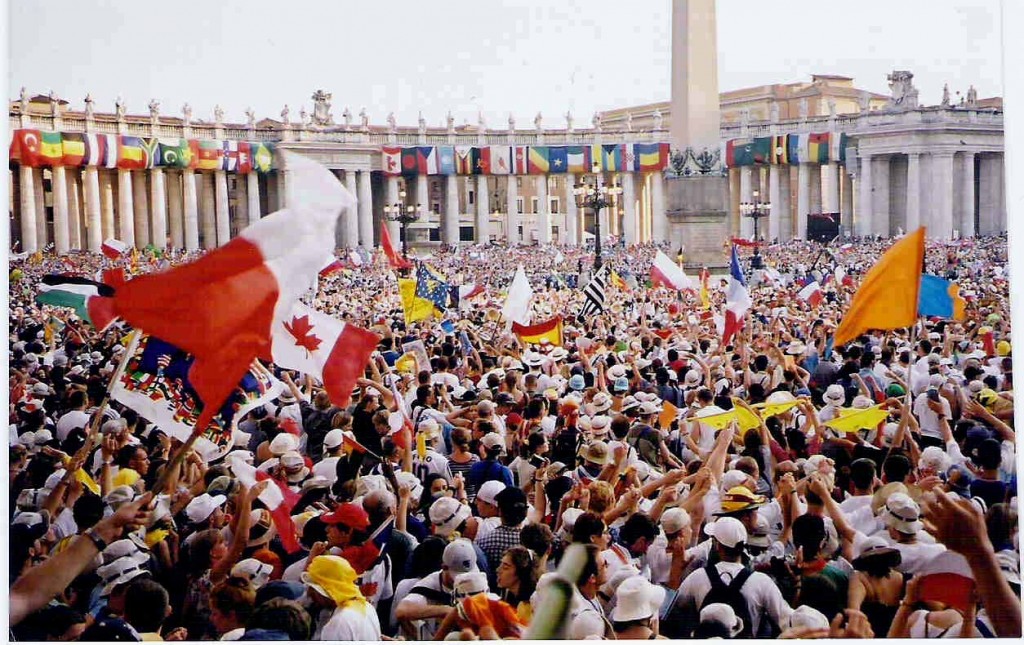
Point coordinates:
[(96, 539)]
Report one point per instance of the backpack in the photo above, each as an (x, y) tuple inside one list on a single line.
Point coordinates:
[(730, 595), (565, 446)]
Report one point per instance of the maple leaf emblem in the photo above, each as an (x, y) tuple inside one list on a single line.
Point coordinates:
[(301, 330)]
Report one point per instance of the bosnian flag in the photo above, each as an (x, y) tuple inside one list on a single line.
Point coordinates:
[(811, 294), (324, 347), (222, 307), (276, 497), (667, 273), (114, 249), (737, 300)]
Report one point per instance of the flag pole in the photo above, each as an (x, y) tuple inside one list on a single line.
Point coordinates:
[(94, 427)]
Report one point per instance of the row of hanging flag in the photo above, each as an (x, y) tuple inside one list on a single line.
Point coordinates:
[(786, 149), (36, 149), (524, 160)]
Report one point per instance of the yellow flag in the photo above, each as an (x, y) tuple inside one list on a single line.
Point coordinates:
[(888, 296), (415, 308), (421, 445), (773, 409), (87, 481), (854, 419), (406, 363), (719, 421)]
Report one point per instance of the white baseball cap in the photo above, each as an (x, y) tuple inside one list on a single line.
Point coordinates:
[(489, 490), (203, 506), (334, 438), (727, 531), (674, 520), (256, 572)]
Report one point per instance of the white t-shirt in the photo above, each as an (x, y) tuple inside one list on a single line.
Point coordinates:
[(760, 592), (927, 418), (586, 618), (70, 421), (354, 622), (327, 468), (433, 463), (429, 626)]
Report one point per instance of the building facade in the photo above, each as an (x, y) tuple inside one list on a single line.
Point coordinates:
[(902, 165)]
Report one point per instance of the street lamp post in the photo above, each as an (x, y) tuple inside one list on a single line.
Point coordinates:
[(756, 210), (591, 192), (404, 214)]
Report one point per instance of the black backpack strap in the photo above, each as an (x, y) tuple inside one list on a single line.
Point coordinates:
[(433, 595), (717, 585), (741, 578)]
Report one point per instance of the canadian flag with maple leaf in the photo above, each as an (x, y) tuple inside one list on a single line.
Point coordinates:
[(316, 344)]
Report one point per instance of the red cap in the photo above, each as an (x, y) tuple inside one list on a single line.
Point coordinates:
[(351, 515), (513, 418)]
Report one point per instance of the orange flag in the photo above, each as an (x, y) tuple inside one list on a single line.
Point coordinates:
[(888, 295)]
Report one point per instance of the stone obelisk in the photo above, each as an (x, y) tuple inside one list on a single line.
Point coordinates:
[(697, 186)]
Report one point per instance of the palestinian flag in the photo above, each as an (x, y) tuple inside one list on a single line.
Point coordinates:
[(72, 292)]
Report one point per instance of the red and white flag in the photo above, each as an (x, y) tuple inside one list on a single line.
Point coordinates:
[(333, 266), (114, 249), (467, 291), (666, 273), (394, 260), (276, 497), (324, 347), (221, 308), (392, 162), (811, 294)]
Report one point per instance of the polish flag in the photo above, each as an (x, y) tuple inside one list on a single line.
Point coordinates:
[(470, 290), (665, 272), (811, 294), (737, 299), (276, 497), (394, 260), (114, 249), (323, 347), (221, 308)]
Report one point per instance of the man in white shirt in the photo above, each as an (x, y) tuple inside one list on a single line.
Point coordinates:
[(77, 417), (760, 592), (928, 407), (586, 617), (421, 611)]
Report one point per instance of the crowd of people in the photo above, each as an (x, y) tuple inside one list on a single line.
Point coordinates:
[(608, 486)]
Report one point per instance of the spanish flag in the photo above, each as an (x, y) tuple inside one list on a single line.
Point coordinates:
[(415, 308), (618, 282), (854, 419), (550, 330), (888, 296)]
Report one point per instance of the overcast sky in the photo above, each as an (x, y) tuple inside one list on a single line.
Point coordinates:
[(497, 57)]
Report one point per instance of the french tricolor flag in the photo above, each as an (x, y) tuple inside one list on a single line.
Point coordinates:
[(737, 299)]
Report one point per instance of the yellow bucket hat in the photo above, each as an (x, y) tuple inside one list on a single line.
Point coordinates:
[(333, 577)]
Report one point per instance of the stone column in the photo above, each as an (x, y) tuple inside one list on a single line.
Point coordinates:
[(659, 220), (59, 184), (221, 210), (630, 226), (572, 216), (483, 205), (882, 213), (283, 188), (803, 201), (423, 199), (746, 195), (91, 189), (450, 218), (158, 191), (991, 195), (365, 207), (28, 210), (175, 214), (846, 200), (785, 208), (967, 197), (125, 207), (188, 182), (351, 215), (512, 209), (74, 210), (106, 180), (913, 218), (208, 211), (866, 190), (42, 234), (815, 205), (252, 196), (141, 203), (544, 212), (394, 228), (942, 167), (774, 215), (830, 180)]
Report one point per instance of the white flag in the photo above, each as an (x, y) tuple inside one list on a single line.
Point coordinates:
[(517, 306)]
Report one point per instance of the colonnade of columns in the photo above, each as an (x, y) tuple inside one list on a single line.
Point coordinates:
[(166, 208), (951, 192)]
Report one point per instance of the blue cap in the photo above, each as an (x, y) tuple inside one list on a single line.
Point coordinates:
[(621, 384), (577, 383)]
